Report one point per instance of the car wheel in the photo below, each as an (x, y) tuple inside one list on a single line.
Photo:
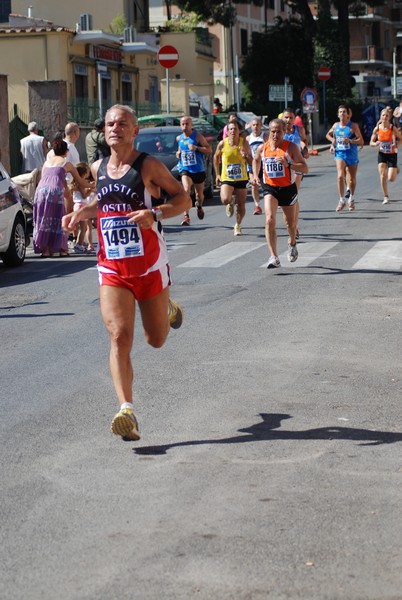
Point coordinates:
[(15, 254)]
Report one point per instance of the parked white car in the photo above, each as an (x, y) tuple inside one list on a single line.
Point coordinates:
[(12, 222)]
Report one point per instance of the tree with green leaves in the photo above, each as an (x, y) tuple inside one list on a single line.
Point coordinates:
[(286, 50), (118, 24), (213, 10), (332, 35)]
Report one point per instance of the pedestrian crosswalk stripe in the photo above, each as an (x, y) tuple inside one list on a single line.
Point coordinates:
[(222, 255), (384, 255), (177, 245), (308, 253)]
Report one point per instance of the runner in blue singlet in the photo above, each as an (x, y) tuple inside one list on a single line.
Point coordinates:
[(345, 138)]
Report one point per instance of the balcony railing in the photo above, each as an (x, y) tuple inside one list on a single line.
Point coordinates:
[(366, 53), (84, 111)]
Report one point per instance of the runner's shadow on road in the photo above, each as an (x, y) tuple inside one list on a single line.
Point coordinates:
[(323, 271), (270, 429)]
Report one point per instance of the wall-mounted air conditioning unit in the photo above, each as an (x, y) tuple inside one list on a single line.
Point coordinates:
[(86, 22), (130, 35)]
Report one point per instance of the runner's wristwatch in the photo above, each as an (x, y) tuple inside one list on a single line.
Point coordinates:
[(158, 214)]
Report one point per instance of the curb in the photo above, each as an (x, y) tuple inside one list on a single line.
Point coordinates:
[(318, 149)]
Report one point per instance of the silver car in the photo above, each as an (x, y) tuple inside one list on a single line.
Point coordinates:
[(12, 222)]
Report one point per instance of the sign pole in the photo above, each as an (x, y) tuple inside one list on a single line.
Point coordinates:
[(100, 94), (324, 73), (167, 93), (310, 127)]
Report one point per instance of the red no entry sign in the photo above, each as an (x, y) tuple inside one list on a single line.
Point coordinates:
[(324, 73), (168, 57)]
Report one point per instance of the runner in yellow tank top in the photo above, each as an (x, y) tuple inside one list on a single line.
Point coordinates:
[(279, 158), (232, 154)]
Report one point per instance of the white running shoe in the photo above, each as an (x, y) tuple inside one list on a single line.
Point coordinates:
[(341, 205), (386, 200), (273, 262), (237, 230), (293, 253)]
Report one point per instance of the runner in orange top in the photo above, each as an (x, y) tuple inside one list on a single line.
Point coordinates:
[(279, 158), (385, 136)]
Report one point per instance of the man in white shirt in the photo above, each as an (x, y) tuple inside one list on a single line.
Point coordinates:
[(71, 135), (33, 149)]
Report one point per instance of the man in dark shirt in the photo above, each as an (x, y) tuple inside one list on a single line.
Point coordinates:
[(95, 142)]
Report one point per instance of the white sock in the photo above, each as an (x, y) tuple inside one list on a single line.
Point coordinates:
[(127, 405)]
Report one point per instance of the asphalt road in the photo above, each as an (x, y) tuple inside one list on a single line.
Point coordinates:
[(270, 460)]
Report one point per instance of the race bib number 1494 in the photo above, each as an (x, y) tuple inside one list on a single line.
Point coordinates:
[(121, 239)]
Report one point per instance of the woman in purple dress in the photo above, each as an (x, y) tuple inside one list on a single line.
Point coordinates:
[(49, 208)]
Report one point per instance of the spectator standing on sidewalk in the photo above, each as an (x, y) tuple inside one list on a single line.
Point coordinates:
[(71, 136), (95, 142), (33, 149)]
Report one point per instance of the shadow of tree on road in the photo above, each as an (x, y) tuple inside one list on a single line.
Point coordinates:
[(270, 429)]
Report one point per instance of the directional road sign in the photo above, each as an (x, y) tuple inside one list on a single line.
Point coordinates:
[(277, 93)]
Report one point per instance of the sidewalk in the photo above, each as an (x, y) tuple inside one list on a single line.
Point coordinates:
[(319, 148)]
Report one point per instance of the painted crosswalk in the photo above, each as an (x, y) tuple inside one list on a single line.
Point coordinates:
[(223, 255), (308, 253), (383, 255), (386, 254)]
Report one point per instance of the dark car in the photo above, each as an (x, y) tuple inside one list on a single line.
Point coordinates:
[(161, 142), (201, 125)]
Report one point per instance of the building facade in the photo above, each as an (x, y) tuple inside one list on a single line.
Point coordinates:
[(102, 13), (376, 50)]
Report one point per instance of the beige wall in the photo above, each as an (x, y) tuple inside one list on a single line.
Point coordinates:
[(33, 57), (52, 56), (191, 66)]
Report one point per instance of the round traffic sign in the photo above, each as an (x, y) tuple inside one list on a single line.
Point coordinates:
[(309, 96), (324, 73), (168, 57)]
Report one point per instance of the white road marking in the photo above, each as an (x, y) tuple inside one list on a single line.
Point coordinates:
[(308, 253), (222, 255), (383, 255)]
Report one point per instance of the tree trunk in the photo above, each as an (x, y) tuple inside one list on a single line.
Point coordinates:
[(343, 28)]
